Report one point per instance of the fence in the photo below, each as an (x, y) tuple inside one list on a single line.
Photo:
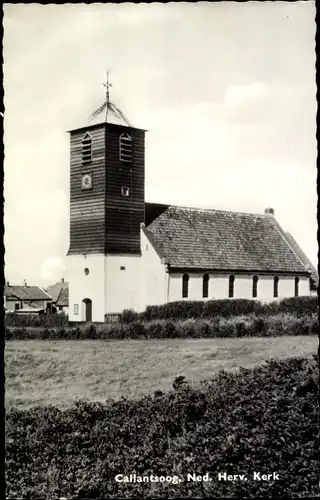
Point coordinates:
[(112, 318)]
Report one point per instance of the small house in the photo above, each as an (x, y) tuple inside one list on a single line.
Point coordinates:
[(26, 299)]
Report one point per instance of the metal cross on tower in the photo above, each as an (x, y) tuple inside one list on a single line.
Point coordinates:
[(107, 85), (109, 106)]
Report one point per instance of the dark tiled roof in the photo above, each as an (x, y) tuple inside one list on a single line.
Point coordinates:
[(25, 293), (215, 239), (55, 290), (303, 257)]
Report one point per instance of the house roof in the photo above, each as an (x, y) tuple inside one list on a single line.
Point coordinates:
[(59, 293), (222, 240), (25, 293), (303, 257), (63, 299)]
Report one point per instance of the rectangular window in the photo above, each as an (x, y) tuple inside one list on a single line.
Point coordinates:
[(16, 307), (296, 287), (76, 309), (124, 191), (275, 286)]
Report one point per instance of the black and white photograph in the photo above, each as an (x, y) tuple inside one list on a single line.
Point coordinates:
[(161, 278)]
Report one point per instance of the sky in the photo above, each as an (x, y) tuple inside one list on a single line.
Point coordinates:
[(226, 90)]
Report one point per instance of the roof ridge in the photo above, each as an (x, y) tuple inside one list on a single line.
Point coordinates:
[(198, 209)]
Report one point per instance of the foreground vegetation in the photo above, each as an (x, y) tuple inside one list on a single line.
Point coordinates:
[(184, 309), (219, 327), (263, 420), (61, 372)]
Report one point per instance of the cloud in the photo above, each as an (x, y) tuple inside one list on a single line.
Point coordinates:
[(36, 225), (230, 106), (241, 95), (53, 269)]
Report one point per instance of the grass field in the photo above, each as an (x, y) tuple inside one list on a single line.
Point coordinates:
[(60, 372)]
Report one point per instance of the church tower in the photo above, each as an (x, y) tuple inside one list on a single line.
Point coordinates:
[(106, 209)]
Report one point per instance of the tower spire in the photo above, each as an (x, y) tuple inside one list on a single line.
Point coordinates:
[(109, 106)]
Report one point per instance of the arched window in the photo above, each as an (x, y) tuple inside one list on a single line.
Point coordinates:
[(231, 286), (185, 285), (296, 286), (255, 280), (275, 286), (125, 148), (205, 285), (86, 149)]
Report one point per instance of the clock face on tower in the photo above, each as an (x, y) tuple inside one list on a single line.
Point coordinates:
[(86, 181)]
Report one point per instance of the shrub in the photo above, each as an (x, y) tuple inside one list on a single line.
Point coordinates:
[(154, 329), (257, 327), (34, 320), (89, 331), (189, 329), (179, 382), (208, 329), (263, 419), (314, 326), (299, 306), (170, 330), (241, 329), (128, 316), (227, 329), (187, 309), (135, 330), (227, 307)]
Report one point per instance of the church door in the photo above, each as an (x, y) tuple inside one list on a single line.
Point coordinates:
[(88, 309)]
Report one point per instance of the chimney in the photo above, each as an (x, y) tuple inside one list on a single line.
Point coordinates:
[(25, 283), (62, 280), (269, 211), (8, 284)]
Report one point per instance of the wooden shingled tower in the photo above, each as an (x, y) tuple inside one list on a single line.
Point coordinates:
[(107, 176)]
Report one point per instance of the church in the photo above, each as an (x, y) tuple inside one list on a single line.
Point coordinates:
[(126, 253)]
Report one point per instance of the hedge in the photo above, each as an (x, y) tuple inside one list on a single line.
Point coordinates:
[(299, 306), (227, 307), (239, 326), (32, 320), (264, 420)]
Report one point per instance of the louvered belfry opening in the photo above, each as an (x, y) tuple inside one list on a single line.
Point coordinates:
[(125, 148), (86, 149)]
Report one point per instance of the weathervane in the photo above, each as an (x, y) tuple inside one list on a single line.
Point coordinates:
[(109, 106), (107, 85)]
